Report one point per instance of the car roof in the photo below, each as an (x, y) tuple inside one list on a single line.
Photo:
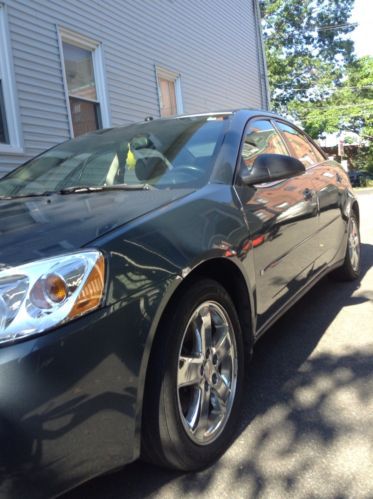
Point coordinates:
[(248, 111), (244, 113)]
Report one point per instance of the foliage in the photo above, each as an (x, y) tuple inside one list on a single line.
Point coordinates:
[(364, 158), (349, 108), (313, 74), (306, 48)]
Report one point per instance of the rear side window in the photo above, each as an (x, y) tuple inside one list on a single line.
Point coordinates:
[(300, 146), (260, 138)]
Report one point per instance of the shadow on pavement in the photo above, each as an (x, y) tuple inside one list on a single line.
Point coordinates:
[(300, 410)]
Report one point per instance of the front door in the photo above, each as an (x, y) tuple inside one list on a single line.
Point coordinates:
[(282, 223)]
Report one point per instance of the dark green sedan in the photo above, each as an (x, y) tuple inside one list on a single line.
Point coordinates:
[(138, 266)]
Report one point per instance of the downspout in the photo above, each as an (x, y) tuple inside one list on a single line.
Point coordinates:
[(264, 88)]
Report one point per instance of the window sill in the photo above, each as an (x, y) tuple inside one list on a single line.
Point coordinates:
[(10, 150)]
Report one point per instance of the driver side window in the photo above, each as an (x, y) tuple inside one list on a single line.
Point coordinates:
[(260, 138)]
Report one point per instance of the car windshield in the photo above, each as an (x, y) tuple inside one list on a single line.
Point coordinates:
[(160, 154)]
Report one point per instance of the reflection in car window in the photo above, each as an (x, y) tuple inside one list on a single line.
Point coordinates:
[(300, 146), (167, 153), (319, 156), (261, 138)]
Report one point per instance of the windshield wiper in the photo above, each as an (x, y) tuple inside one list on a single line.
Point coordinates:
[(81, 189), (77, 189), (30, 195)]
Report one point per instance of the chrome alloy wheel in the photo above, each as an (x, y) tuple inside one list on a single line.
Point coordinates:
[(207, 373), (354, 245)]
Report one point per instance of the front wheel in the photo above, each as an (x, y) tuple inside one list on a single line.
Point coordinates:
[(195, 379)]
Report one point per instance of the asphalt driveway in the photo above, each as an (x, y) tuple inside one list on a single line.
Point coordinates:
[(307, 426)]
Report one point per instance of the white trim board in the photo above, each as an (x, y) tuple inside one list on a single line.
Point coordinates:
[(15, 145)]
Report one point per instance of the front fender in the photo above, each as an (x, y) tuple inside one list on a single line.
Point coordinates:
[(214, 258)]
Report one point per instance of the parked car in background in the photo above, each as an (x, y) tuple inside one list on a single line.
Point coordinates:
[(359, 178), (138, 267)]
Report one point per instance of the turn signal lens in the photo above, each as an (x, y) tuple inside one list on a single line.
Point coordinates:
[(92, 292)]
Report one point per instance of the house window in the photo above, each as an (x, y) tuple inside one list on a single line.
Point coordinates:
[(169, 91), (10, 140), (84, 82)]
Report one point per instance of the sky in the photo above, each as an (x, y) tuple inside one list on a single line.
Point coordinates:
[(363, 34)]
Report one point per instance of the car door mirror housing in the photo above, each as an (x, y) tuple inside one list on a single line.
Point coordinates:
[(270, 167)]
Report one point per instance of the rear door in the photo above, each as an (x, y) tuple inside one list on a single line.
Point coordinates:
[(329, 182), (282, 222)]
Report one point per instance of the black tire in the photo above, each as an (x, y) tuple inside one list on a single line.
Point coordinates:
[(348, 271), (165, 440)]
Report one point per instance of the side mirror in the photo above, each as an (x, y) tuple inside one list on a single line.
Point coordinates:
[(270, 167)]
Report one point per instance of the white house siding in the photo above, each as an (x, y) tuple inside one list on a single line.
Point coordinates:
[(213, 44)]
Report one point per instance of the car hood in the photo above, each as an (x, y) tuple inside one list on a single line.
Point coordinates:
[(37, 227)]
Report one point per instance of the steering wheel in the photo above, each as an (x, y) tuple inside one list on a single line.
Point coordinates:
[(186, 172)]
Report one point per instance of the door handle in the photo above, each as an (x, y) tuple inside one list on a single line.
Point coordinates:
[(308, 194)]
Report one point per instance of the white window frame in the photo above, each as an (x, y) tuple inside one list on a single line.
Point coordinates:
[(67, 36), (167, 74), (15, 145)]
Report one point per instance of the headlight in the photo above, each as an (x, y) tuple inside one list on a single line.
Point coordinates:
[(43, 294)]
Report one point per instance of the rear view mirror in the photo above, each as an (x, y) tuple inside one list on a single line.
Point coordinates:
[(270, 167)]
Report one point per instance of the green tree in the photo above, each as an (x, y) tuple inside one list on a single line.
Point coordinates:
[(306, 48), (349, 107), (313, 74)]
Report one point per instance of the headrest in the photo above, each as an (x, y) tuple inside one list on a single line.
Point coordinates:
[(148, 168)]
